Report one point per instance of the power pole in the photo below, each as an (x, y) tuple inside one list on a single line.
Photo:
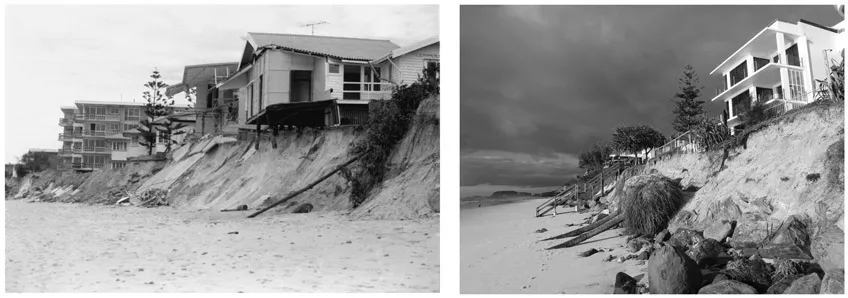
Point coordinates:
[(312, 25)]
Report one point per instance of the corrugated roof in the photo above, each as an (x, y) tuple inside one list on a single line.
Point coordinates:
[(415, 46), (336, 47)]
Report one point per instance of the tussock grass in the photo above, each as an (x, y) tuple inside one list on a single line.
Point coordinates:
[(648, 203), (784, 268)]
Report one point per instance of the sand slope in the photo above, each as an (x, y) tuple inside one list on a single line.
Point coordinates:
[(499, 253), (56, 247)]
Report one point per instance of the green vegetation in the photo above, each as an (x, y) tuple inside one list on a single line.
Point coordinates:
[(32, 162), (834, 87), (710, 134), (593, 160), (688, 109), (158, 105), (388, 122), (633, 139)]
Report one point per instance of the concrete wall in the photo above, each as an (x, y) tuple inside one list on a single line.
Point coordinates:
[(818, 40)]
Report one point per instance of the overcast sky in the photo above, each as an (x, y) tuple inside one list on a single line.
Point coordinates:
[(56, 55), (540, 84)]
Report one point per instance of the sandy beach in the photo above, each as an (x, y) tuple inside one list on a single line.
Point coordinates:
[(55, 247), (499, 253)]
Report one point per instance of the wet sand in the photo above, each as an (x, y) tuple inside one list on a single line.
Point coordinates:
[(499, 253), (54, 247)]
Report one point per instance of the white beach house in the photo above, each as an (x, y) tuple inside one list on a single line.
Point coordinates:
[(303, 80), (779, 65)]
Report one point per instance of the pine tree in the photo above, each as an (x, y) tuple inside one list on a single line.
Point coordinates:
[(158, 105), (688, 109)]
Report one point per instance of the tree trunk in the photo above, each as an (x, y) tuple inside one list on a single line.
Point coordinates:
[(608, 225), (583, 229), (311, 185)]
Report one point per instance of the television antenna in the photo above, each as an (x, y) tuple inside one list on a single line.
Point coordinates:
[(312, 25)]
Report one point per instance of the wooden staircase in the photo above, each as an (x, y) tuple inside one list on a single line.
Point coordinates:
[(595, 186)]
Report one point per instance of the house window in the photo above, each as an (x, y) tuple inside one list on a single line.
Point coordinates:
[(250, 95), (764, 94), (358, 78), (118, 164), (134, 141), (334, 68), (739, 73), (371, 78), (114, 111), (119, 146), (741, 103), (261, 107), (432, 67), (780, 92), (792, 55), (760, 62), (130, 127)]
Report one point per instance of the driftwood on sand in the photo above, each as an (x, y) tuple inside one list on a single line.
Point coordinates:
[(583, 229), (585, 236), (311, 185)]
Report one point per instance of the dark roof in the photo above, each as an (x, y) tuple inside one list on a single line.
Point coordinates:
[(818, 25), (336, 47)]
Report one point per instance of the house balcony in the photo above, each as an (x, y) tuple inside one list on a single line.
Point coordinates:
[(773, 108), (767, 75), (366, 91)]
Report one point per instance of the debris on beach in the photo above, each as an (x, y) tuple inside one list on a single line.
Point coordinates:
[(588, 252)]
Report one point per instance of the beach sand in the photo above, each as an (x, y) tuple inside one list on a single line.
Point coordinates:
[(55, 247), (499, 253)]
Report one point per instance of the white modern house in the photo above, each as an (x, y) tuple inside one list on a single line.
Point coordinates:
[(779, 65)]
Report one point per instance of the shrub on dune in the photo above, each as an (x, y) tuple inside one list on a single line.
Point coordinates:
[(648, 203)]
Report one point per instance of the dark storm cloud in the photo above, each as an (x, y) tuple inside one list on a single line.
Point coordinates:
[(549, 81)]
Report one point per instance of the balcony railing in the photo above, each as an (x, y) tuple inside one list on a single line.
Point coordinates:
[(81, 165), (104, 117), (366, 90), (66, 122), (91, 149), (94, 133)]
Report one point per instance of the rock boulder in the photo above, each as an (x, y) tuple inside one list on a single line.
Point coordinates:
[(670, 271)]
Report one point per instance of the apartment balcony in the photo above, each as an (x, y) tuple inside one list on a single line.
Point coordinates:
[(66, 122), (92, 149), (69, 136), (98, 117), (93, 133), (115, 134)]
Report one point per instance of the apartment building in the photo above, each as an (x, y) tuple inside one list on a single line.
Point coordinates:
[(98, 134), (779, 66)]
